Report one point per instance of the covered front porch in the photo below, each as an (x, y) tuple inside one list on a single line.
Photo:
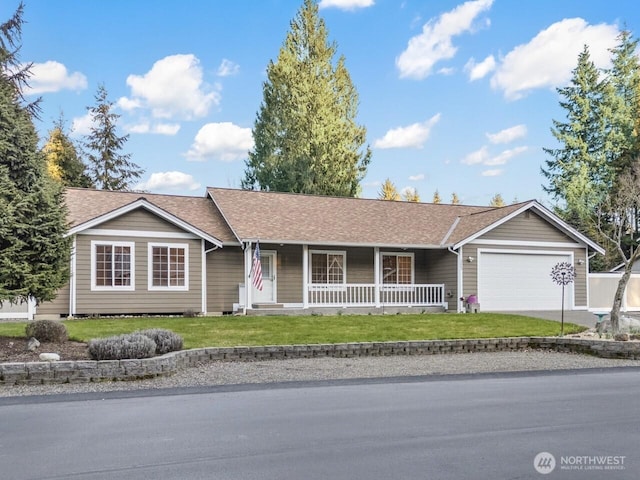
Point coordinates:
[(307, 278)]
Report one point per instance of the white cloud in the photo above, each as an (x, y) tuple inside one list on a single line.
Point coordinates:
[(417, 178), (128, 104), (346, 4), (174, 87), (508, 134), (228, 68), (167, 181), (158, 128), (477, 157), (434, 43), (480, 70), (81, 125), (412, 136), (505, 156), (549, 58), (224, 141), (492, 173), (52, 77)]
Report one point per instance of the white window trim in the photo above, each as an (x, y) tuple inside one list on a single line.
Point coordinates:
[(325, 286), (150, 285), (398, 285), (94, 286)]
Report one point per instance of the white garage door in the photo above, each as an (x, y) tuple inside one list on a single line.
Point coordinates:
[(518, 281)]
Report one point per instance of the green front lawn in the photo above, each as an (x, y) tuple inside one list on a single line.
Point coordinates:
[(287, 330)]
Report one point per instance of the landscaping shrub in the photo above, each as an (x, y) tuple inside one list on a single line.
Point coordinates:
[(119, 347), (166, 340), (47, 331)]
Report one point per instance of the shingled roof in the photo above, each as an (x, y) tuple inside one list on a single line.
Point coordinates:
[(86, 205), (310, 219)]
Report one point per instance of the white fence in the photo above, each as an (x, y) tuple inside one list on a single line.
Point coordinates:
[(17, 311), (602, 289)]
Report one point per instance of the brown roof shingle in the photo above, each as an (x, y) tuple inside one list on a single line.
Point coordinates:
[(287, 217), (87, 204)]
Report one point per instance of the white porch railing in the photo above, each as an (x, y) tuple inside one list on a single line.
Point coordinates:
[(371, 295)]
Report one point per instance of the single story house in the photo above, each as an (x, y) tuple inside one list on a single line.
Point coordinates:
[(140, 253)]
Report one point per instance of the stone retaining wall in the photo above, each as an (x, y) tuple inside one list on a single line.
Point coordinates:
[(96, 371)]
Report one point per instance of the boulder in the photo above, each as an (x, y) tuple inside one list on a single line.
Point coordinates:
[(33, 344), (621, 337), (49, 357)]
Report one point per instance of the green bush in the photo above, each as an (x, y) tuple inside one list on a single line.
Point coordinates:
[(47, 331), (132, 345), (166, 340)]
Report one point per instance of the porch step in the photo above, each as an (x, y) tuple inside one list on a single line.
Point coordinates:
[(258, 306)]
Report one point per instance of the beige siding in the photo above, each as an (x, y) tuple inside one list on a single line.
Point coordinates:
[(57, 306), (442, 267), (140, 300), (225, 271), (289, 273), (139, 219), (528, 226)]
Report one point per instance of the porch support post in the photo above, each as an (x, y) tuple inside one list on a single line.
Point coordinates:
[(247, 277), (305, 276), (376, 275)]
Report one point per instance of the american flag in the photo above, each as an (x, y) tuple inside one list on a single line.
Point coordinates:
[(256, 268)]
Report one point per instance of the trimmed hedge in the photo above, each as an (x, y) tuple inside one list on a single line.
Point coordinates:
[(119, 347), (47, 331), (166, 340)]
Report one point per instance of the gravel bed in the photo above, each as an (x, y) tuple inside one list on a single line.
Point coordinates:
[(305, 369)]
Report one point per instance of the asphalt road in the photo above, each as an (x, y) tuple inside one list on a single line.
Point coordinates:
[(457, 427)]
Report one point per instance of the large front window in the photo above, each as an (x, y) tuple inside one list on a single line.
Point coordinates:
[(168, 266), (112, 265), (397, 269), (328, 267)]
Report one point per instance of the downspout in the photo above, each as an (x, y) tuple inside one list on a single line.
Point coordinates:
[(72, 279), (203, 276), (458, 278)]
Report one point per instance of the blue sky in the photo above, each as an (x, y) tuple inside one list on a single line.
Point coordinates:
[(456, 96)]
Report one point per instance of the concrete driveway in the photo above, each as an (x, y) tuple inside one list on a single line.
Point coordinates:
[(579, 317)]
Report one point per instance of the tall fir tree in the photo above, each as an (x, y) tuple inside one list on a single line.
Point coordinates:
[(109, 168), (63, 162), (436, 197), (388, 191), (306, 136), (454, 199), (34, 252), (581, 138)]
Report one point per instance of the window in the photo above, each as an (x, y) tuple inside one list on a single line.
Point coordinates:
[(112, 265), (397, 268), (328, 267), (168, 266)]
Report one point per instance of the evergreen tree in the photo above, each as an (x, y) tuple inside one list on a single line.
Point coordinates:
[(579, 174), (436, 197), (497, 201), (622, 103), (108, 167), (388, 191), (411, 195), (306, 136), (34, 254), (63, 162), (454, 199)]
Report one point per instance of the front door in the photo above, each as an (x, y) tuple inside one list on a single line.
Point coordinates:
[(268, 293)]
